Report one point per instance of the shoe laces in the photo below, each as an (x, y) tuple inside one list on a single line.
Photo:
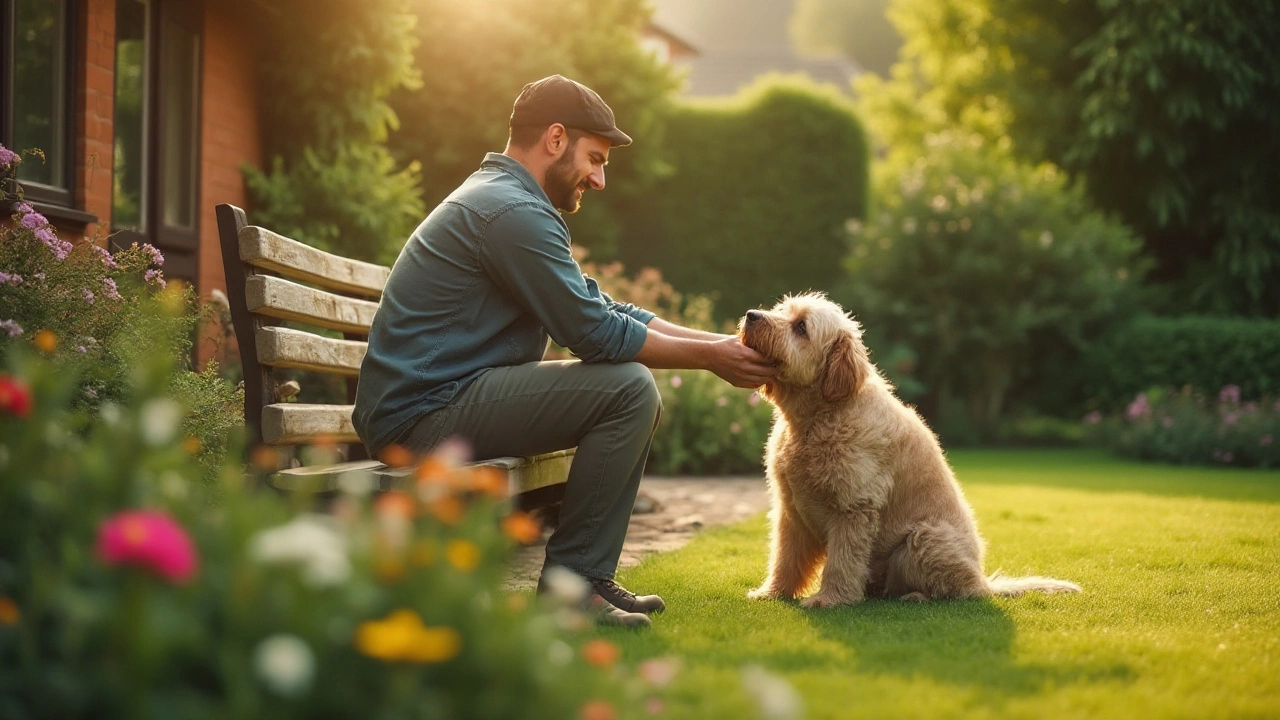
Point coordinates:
[(615, 587)]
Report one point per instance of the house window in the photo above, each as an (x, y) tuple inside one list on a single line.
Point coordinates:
[(36, 87), (157, 109)]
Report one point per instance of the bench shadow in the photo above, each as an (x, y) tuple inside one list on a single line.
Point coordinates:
[(966, 643)]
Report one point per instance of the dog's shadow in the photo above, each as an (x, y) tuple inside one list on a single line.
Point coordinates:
[(963, 642)]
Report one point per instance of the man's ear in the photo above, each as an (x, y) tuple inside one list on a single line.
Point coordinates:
[(555, 139), (845, 372)]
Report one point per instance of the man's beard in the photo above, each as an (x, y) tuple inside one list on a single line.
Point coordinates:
[(562, 186)]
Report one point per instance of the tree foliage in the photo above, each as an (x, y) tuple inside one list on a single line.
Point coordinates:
[(1167, 109), (857, 29), (328, 68), (762, 190)]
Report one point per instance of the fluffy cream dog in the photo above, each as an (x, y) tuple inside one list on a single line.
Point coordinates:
[(858, 480)]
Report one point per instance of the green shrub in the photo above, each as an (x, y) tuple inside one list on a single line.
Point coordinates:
[(708, 427), (1189, 427), (1205, 353), (122, 595), (759, 198), (988, 269)]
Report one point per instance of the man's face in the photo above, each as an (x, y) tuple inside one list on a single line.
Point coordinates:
[(580, 168)]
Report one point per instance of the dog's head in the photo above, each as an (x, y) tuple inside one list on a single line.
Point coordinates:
[(816, 347)]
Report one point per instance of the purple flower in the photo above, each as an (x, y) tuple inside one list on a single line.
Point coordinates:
[(110, 289), (1265, 440), (10, 278), (82, 349), (24, 208), (60, 248), (1139, 408), (33, 220), (88, 296), (107, 258), (154, 276), (11, 327), (1229, 394), (1230, 419), (156, 258), (8, 158), (1093, 418)]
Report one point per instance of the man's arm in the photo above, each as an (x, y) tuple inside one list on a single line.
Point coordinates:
[(725, 356), (678, 331)]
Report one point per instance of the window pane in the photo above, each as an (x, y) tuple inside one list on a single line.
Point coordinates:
[(178, 150), (128, 201), (40, 88)]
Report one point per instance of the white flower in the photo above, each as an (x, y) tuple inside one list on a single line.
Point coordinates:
[(160, 419), (659, 672), (312, 542), (559, 653), (565, 585), (285, 664), (774, 695)]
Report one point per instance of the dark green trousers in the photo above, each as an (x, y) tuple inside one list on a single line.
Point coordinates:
[(608, 412)]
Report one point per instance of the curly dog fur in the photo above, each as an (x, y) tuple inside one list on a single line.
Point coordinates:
[(861, 489)]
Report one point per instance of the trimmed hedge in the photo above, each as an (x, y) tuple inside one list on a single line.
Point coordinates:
[(759, 199), (1206, 353)]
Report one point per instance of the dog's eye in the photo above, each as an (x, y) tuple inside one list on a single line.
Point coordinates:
[(801, 330)]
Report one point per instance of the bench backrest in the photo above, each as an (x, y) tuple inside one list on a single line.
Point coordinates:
[(271, 279)]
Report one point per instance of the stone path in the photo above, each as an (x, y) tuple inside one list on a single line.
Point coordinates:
[(684, 507)]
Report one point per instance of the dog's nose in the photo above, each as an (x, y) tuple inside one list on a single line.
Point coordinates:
[(754, 316)]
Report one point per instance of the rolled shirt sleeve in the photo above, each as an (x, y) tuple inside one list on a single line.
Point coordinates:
[(526, 251)]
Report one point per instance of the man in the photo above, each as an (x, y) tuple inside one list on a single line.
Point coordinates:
[(457, 343)]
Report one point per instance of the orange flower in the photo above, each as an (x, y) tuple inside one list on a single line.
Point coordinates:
[(517, 603), (601, 653), (433, 469), (46, 341), (521, 527), (463, 555), (598, 710), (9, 613), (324, 441), (265, 457), (448, 509), (395, 504), (490, 481), (396, 456), (191, 445)]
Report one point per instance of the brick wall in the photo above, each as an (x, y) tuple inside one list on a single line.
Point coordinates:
[(95, 98)]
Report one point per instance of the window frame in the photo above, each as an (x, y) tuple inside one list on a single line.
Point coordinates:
[(46, 195)]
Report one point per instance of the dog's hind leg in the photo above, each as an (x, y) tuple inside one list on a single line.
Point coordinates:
[(794, 556), (937, 560)]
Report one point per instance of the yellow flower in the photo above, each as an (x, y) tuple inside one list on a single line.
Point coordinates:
[(9, 613), (463, 555), (401, 637)]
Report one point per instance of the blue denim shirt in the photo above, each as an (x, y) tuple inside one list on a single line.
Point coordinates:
[(482, 283)]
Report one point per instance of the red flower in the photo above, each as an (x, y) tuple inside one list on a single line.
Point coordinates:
[(15, 397), (150, 539)]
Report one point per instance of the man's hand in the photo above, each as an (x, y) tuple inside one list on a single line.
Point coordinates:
[(738, 364)]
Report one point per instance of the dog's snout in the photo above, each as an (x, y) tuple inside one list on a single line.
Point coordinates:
[(754, 316)]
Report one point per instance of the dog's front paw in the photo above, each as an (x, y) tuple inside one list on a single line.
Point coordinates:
[(765, 592), (820, 601)]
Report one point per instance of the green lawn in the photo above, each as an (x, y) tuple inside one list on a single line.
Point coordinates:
[(1179, 618)]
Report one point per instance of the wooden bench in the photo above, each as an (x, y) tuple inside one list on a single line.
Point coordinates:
[(272, 279)]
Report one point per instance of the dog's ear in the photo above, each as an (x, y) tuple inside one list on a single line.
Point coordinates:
[(845, 372)]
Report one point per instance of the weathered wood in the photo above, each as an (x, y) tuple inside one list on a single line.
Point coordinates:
[(283, 347), (523, 474), (264, 249), (305, 424), (259, 386), (284, 300)]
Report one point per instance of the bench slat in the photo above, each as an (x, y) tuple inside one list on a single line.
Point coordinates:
[(286, 348), (264, 249), (284, 300), (523, 474), (304, 424)]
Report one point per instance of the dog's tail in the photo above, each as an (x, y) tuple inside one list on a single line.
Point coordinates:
[(1015, 586)]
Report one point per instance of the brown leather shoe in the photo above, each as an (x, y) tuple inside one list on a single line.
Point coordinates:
[(624, 599), (606, 614)]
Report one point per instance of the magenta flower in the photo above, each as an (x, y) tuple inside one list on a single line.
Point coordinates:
[(1139, 408), (1229, 394), (150, 539)]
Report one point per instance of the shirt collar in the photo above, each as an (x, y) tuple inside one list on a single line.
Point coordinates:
[(517, 170)]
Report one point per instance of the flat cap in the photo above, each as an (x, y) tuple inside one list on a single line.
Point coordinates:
[(557, 99)]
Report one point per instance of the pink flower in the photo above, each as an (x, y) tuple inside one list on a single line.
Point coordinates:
[(754, 398), (735, 428), (151, 539), (15, 396), (722, 401), (676, 381), (156, 258), (109, 289), (154, 276), (1230, 419), (10, 278), (105, 255), (1139, 407), (1229, 394), (1093, 418), (33, 220)]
